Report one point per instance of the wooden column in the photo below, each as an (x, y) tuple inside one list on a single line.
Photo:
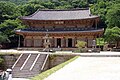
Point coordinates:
[(24, 42), (62, 42), (55, 42), (96, 24), (32, 42), (42, 42), (95, 41), (66, 42), (87, 41), (73, 42)]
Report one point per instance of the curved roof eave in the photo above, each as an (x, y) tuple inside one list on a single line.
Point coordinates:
[(60, 31), (58, 19)]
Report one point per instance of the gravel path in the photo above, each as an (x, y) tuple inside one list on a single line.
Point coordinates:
[(89, 68)]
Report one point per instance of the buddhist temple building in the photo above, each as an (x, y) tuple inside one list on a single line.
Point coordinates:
[(63, 27)]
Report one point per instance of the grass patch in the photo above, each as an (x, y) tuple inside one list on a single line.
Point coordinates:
[(52, 70)]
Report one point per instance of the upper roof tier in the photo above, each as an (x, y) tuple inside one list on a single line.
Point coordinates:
[(60, 15)]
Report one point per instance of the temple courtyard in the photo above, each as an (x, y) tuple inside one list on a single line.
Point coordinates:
[(89, 66)]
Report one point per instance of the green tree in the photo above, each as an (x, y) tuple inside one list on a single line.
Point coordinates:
[(18, 2), (3, 38), (112, 35), (29, 8), (8, 27), (49, 5), (113, 16), (100, 9), (7, 11), (79, 3)]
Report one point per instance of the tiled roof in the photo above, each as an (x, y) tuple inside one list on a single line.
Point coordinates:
[(60, 15), (69, 30)]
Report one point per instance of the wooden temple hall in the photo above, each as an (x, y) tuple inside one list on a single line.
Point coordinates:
[(63, 27)]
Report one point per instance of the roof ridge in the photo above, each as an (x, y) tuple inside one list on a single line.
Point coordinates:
[(74, 9)]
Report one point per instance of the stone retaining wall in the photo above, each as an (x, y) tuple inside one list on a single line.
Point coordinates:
[(52, 61), (9, 59)]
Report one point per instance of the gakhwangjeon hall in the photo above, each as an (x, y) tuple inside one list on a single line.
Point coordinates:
[(64, 28)]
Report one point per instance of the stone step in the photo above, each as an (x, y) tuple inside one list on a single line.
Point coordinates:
[(39, 62), (30, 61), (25, 75), (25, 72), (21, 61)]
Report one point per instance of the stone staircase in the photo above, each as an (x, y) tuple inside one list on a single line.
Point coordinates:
[(28, 65)]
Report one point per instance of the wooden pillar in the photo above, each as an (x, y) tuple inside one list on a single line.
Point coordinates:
[(51, 42), (73, 42), (42, 44), (62, 42), (95, 41), (32, 42), (96, 24), (55, 42), (66, 42), (87, 41), (24, 42), (99, 40)]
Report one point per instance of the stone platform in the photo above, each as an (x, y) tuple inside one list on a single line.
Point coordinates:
[(89, 68)]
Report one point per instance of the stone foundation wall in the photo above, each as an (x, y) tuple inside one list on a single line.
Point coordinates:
[(58, 59), (55, 60), (9, 59), (52, 61)]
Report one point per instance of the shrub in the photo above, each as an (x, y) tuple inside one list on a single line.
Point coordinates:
[(80, 44)]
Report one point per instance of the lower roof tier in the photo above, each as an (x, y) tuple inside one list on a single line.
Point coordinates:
[(58, 30), (76, 31)]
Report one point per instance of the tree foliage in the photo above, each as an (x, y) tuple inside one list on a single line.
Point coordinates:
[(113, 16), (112, 35), (80, 44), (7, 10), (3, 38), (2, 65), (8, 27)]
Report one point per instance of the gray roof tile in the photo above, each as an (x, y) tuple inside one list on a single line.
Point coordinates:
[(60, 15)]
